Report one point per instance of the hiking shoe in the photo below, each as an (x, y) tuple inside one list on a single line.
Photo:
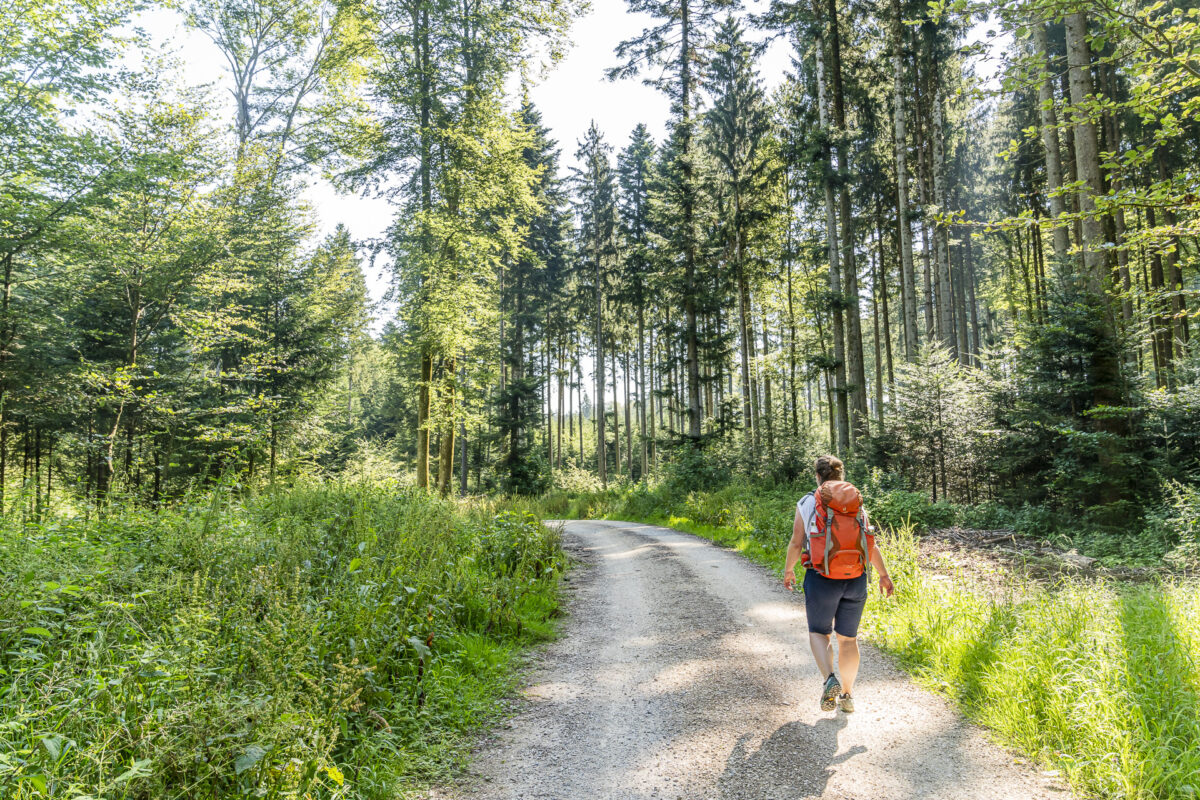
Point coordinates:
[(846, 703), (830, 695)]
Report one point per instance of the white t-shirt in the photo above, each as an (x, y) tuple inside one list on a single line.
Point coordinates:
[(807, 509)]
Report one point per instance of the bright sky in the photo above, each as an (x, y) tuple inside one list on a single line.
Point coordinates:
[(570, 97)]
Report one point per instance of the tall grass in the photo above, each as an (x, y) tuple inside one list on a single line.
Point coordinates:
[(1098, 679), (313, 643)]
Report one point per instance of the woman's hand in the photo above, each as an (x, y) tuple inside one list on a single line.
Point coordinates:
[(789, 579), (885, 586)]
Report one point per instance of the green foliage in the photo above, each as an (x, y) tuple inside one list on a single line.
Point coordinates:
[(696, 469), (1181, 522), (334, 641), (899, 508)]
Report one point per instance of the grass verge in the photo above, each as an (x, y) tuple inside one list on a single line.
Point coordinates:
[(330, 642), (1094, 678)]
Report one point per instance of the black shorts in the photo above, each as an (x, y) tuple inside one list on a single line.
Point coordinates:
[(834, 604)]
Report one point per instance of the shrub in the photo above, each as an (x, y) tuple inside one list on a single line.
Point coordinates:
[(1179, 522), (898, 507), (317, 643), (693, 469)]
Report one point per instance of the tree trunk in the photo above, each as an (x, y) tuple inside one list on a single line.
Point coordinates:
[(462, 468), (689, 305), (1050, 141), (835, 277), (908, 285), (744, 347), (859, 421), (643, 395), (1105, 368), (1160, 332), (883, 291), (446, 435), (598, 412), (945, 297), (628, 427), (616, 406), (922, 197), (977, 346), (423, 418), (768, 411)]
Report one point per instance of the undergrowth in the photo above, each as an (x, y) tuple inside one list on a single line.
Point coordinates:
[(1098, 679), (332, 642)]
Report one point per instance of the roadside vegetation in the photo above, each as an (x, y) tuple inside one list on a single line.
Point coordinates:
[(1093, 677), (337, 641)]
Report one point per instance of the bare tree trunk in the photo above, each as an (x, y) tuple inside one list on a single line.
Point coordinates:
[(883, 291), (744, 348), (689, 306), (628, 426), (1050, 141), (835, 276), (908, 285), (1160, 332), (643, 395), (462, 471), (651, 404), (859, 420), (601, 455), (940, 234), (423, 418), (922, 197), (616, 406), (446, 435), (1105, 376), (768, 412)]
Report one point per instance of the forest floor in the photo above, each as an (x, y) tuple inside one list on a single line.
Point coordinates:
[(991, 556), (683, 671)]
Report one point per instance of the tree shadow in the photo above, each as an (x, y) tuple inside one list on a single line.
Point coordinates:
[(796, 760)]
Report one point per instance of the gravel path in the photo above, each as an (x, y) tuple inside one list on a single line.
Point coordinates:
[(683, 671)]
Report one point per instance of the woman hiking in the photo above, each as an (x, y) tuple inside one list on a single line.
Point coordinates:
[(831, 538)]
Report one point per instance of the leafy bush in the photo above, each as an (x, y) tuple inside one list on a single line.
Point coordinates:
[(898, 508), (1179, 522), (574, 480), (316, 643), (693, 469)]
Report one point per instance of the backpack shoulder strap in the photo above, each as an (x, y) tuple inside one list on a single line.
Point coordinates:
[(806, 523)]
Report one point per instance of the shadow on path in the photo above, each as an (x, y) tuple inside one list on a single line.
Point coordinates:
[(798, 758)]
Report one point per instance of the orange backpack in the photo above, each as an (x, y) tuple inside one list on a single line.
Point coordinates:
[(842, 544)]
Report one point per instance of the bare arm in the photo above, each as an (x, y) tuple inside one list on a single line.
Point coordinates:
[(795, 549), (885, 582)]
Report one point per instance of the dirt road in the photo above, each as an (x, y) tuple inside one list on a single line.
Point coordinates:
[(683, 671)]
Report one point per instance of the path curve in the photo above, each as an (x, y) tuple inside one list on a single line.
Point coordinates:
[(683, 671)]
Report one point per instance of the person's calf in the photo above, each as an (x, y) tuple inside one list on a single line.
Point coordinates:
[(822, 650), (848, 661)]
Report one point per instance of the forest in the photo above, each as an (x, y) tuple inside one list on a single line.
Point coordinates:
[(980, 287), (957, 244)]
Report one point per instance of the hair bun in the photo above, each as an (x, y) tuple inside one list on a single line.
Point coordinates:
[(830, 468)]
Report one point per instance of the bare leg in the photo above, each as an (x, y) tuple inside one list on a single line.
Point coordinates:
[(847, 662), (822, 649)]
